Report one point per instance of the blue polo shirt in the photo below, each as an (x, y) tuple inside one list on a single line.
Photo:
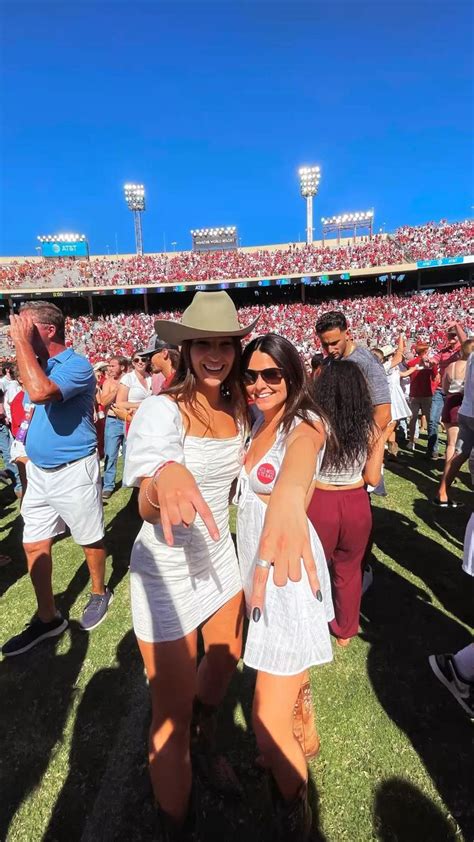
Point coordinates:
[(62, 431)]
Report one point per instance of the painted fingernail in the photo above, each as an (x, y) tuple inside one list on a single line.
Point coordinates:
[(319, 596), (256, 614)]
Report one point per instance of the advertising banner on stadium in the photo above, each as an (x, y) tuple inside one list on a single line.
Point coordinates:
[(65, 249), (441, 261)]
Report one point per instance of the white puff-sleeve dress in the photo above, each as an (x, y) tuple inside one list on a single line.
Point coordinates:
[(175, 589), (399, 404), (292, 633)]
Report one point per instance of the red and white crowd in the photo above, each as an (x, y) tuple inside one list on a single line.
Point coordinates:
[(375, 321), (436, 240), (407, 244)]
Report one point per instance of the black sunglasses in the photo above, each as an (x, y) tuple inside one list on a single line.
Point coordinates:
[(138, 360), (271, 376)]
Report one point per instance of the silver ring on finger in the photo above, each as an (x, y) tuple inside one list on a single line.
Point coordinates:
[(262, 563)]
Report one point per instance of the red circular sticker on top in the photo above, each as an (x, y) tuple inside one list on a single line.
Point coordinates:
[(266, 473)]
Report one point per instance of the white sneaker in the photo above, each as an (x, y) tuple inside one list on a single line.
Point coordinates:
[(411, 445)]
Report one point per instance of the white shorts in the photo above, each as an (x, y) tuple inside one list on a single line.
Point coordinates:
[(69, 496)]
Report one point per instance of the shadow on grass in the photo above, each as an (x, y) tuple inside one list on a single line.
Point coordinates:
[(426, 477), (12, 546), (431, 562), (401, 810), (450, 524), (37, 690), (403, 629), (93, 760), (120, 533)]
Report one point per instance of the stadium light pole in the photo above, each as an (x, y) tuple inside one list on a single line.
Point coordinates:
[(135, 199), (309, 183)]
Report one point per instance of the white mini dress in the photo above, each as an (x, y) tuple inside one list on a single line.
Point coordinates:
[(175, 589), (399, 404), (292, 633)]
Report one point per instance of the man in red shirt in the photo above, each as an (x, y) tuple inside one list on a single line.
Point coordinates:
[(423, 382), (449, 354)]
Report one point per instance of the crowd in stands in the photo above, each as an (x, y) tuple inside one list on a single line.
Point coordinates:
[(432, 241), (408, 244), (375, 321)]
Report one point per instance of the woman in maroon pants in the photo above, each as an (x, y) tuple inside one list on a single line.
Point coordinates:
[(340, 507)]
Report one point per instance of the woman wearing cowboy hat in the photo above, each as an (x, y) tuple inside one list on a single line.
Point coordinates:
[(184, 451)]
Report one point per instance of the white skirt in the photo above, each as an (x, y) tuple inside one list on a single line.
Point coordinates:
[(292, 633), (399, 404), (175, 589)]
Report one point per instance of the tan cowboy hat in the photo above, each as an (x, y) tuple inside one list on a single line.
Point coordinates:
[(210, 314)]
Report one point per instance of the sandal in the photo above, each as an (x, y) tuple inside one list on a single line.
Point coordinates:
[(445, 504)]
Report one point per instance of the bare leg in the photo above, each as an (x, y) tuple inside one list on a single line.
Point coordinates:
[(222, 635), (273, 706), (40, 568), (452, 434), (448, 478), (171, 671), (95, 556)]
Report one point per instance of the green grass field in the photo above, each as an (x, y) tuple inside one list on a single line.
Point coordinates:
[(396, 762)]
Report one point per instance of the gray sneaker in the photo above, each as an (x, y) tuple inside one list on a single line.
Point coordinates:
[(96, 610), (444, 668)]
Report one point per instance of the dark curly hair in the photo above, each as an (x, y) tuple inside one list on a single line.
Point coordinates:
[(331, 320), (342, 392), (300, 402)]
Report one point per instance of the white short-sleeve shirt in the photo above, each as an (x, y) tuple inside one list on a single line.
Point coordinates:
[(137, 392)]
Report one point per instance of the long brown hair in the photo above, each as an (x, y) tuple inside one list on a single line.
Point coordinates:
[(342, 391), (300, 402), (183, 387)]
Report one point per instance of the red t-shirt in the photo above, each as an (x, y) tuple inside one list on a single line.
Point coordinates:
[(17, 412), (423, 382), (167, 383), (447, 356)]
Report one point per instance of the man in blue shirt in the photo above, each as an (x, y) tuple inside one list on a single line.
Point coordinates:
[(64, 486)]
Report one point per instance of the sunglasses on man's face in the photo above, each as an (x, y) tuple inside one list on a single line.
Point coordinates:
[(138, 360), (270, 376)]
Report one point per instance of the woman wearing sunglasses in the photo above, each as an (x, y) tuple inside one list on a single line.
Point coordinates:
[(184, 451), (135, 385), (291, 633)]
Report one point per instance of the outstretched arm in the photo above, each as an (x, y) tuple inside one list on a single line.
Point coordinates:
[(285, 541)]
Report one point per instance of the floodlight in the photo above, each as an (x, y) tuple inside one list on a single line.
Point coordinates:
[(135, 199), (310, 177)]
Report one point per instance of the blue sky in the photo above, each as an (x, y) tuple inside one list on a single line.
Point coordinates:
[(213, 106)]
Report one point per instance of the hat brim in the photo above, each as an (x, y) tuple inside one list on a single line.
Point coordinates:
[(176, 333)]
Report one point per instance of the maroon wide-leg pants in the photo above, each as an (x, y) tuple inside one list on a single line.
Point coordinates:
[(343, 521)]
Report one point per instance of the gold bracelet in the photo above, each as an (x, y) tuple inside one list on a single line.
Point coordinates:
[(152, 504)]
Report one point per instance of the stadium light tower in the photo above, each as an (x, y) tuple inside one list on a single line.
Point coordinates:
[(309, 183), (135, 199)]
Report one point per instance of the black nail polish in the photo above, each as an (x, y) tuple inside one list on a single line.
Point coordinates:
[(256, 614), (319, 596)]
